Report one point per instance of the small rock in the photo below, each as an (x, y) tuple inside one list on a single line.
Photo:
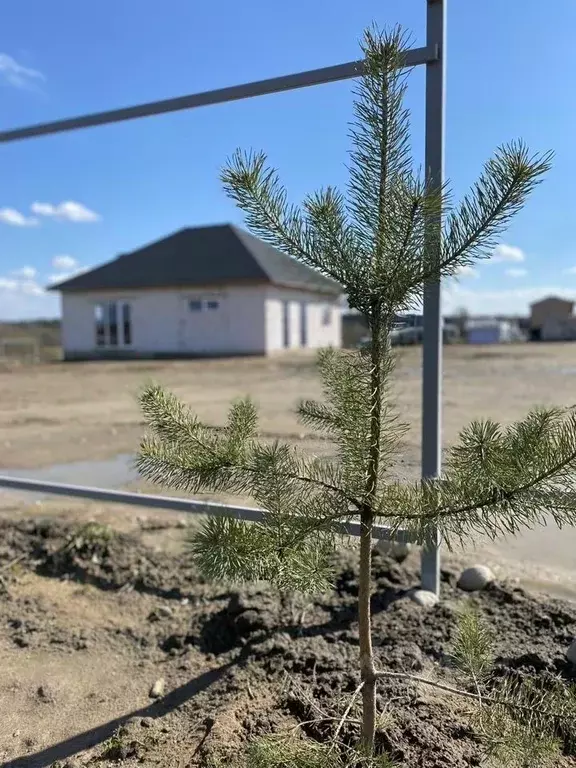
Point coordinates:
[(147, 722), (424, 598), (394, 549), (157, 689), (475, 578), (45, 694), (162, 612), (182, 523), (571, 653)]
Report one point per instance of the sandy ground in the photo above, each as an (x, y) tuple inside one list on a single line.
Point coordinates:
[(59, 413)]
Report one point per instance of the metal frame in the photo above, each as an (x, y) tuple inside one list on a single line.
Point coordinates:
[(433, 56), (189, 506)]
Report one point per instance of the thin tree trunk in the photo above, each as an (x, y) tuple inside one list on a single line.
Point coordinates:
[(367, 670)]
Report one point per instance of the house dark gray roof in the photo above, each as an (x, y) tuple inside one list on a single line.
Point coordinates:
[(201, 256)]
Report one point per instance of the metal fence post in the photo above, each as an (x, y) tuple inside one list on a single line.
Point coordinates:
[(432, 340)]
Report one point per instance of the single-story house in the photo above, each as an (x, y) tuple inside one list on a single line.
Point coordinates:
[(202, 291)]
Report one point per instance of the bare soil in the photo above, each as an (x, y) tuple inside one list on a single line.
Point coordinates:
[(86, 629), (62, 412), (84, 634)]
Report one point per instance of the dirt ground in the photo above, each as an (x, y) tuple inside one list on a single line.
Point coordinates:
[(60, 412), (89, 625), (87, 629)]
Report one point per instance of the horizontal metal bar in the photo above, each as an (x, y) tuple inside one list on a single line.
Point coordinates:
[(152, 501), (351, 69)]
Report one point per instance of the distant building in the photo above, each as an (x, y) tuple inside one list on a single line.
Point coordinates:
[(492, 331), (552, 319), (203, 291), (354, 328)]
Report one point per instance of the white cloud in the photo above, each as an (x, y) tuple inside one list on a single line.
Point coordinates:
[(65, 267), (17, 75), (467, 271), (7, 284), (516, 272), (59, 277), (66, 211), (31, 288), (16, 219), (570, 271), (26, 273), (23, 298), (64, 263), (505, 252)]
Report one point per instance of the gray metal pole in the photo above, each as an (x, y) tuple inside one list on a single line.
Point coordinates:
[(333, 74), (432, 341), (190, 506)]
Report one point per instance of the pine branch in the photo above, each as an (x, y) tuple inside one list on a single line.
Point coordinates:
[(256, 188), (496, 481), (191, 456), (499, 194)]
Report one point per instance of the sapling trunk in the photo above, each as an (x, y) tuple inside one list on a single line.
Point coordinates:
[(367, 670)]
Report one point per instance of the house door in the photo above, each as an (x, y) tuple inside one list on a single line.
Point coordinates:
[(286, 324), (303, 325)]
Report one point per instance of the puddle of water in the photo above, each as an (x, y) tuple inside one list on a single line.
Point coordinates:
[(111, 473)]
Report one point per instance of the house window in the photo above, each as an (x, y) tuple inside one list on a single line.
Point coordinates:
[(212, 304), (127, 323), (100, 325), (113, 324), (195, 305), (326, 316)]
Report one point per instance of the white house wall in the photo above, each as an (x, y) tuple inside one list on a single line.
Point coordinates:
[(318, 335), (163, 324)]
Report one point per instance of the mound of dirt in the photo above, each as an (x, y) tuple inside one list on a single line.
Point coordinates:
[(239, 663)]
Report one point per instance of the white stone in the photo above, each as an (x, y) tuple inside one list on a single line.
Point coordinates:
[(424, 598), (475, 578), (571, 653), (157, 689), (395, 549)]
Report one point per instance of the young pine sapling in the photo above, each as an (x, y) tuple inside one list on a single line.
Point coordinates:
[(381, 241)]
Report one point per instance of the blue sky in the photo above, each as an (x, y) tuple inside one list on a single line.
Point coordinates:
[(75, 200)]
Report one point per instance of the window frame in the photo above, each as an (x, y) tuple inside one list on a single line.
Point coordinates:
[(113, 324)]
